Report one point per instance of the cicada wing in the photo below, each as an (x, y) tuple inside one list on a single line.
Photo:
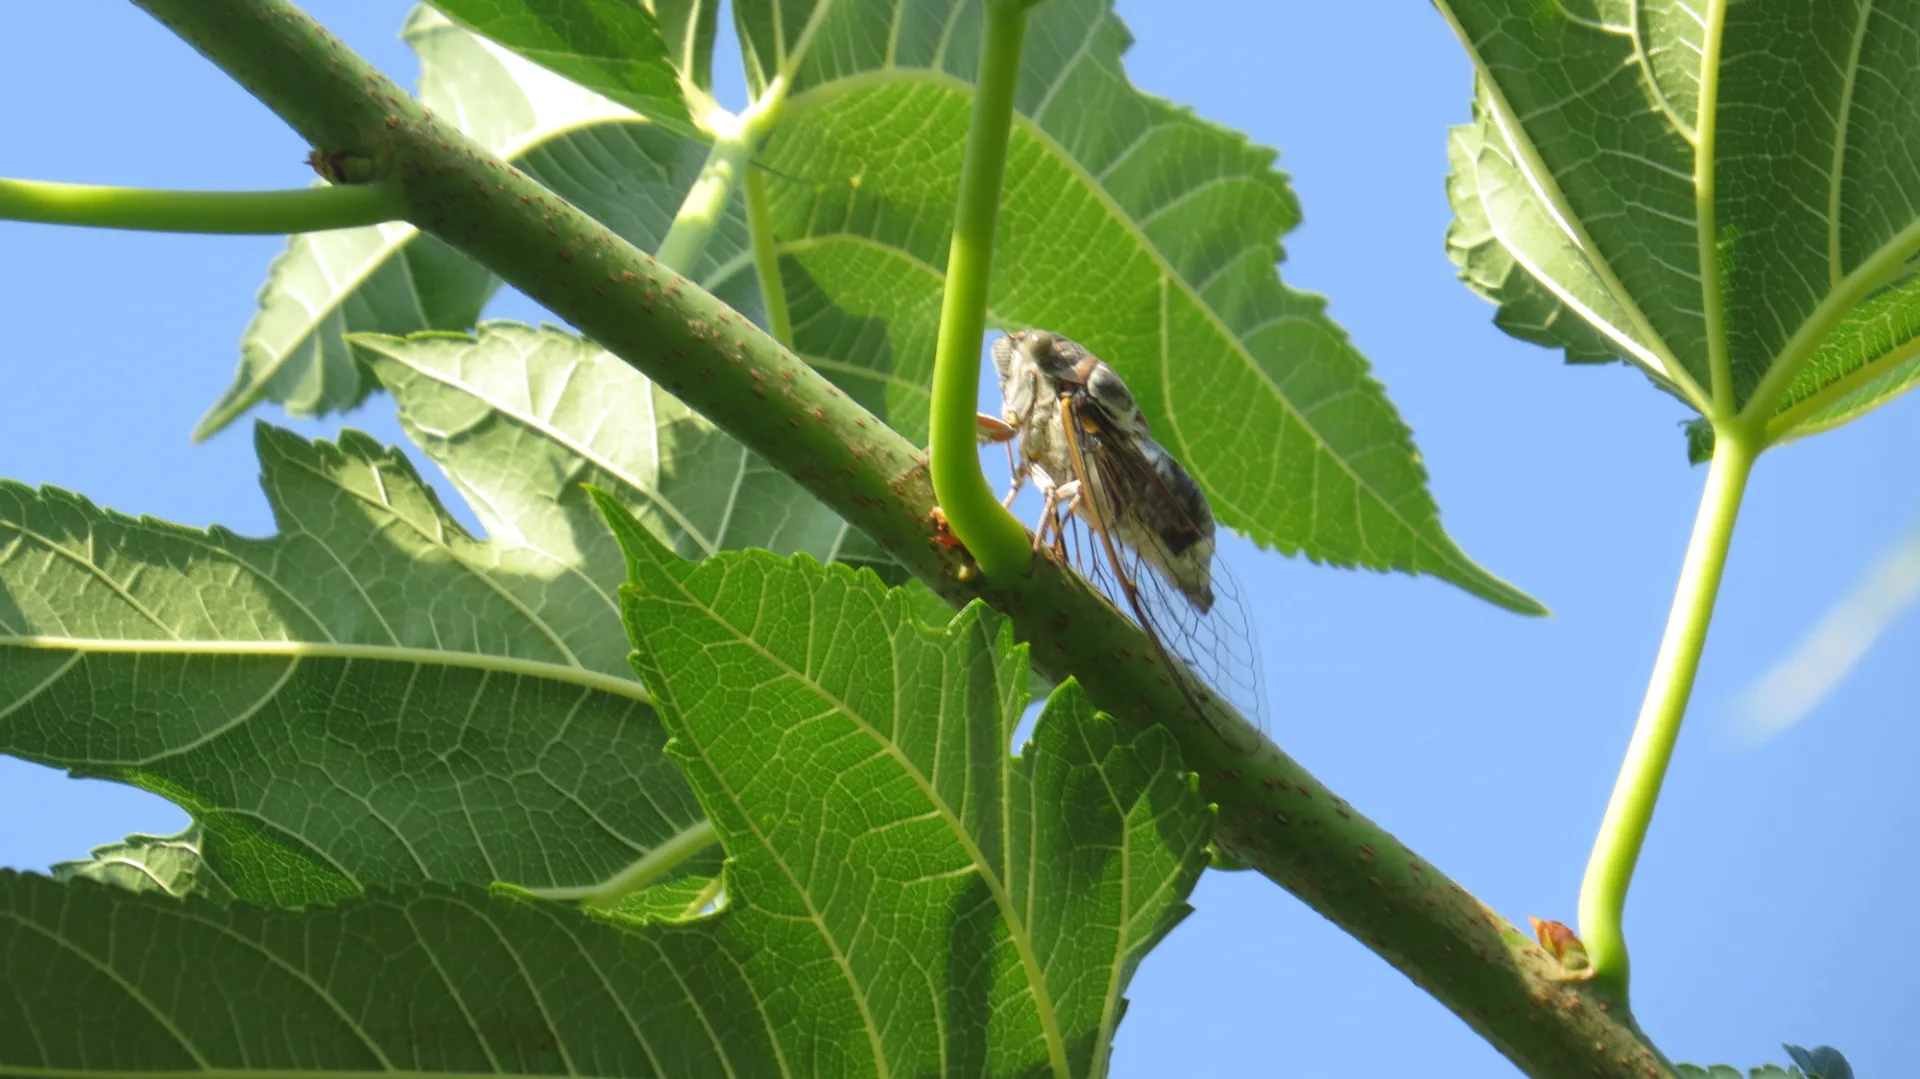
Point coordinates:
[(1129, 513)]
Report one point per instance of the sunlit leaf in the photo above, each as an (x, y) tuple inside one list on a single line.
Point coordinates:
[(1127, 223), (1486, 202), (169, 864), (1724, 192), (903, 896), (610, 161), (1041, 879), (519, 418), (369, 697), (612, 47), (1820, 1062), (373, 696)]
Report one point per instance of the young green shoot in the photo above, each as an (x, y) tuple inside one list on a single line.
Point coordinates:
[(308, 209), (995, 538)]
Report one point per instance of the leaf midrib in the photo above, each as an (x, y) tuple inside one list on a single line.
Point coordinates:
[(133, 993), (1787, 423), (1843, 294), (513, 666), (397, 236), (1842, 125), (1713, 305)]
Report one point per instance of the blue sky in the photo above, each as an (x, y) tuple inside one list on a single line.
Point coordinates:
[(1770, 897)]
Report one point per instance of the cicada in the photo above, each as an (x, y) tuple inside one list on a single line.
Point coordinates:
[(1085, 445)]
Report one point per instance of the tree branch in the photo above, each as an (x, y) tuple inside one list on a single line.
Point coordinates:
[(1273, 814)]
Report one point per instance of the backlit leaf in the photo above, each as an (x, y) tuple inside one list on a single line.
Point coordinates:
[(608, 160), (149, 863), (1724, 192), (1033, 884), (612, 47), (904, 897), (369, 697), (1127, 223)]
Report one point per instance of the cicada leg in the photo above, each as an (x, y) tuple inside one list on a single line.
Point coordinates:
[(1072, 493), (1055, 496), (991, 429), (986, 429)]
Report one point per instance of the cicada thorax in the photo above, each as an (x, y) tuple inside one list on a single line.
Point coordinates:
[(1145, 497)]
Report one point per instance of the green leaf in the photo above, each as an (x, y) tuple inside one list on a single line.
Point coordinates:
[(612, 47), (837, 768), (373, 602), (370, 697), (1699, 440), (689, 27), (679, 899), (432, 980), (1821, 1062), (881, 918), (519, 418), (171, 865), (1180, 218), (1722, 192), (608, 160), (1483, 201)]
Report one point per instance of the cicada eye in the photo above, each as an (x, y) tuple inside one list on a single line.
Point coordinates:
[(1037, 343)]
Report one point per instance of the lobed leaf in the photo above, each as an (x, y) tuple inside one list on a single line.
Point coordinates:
[(369, 697), (995, 902), (1720, 191), (1182, 217), (1126, 223), (374, 697), (520, 418), (903, 896)]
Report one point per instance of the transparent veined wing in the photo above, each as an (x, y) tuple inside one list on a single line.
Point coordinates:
[(1145, 537)]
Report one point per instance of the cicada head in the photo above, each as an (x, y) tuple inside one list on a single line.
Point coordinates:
[(1006, 356)]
